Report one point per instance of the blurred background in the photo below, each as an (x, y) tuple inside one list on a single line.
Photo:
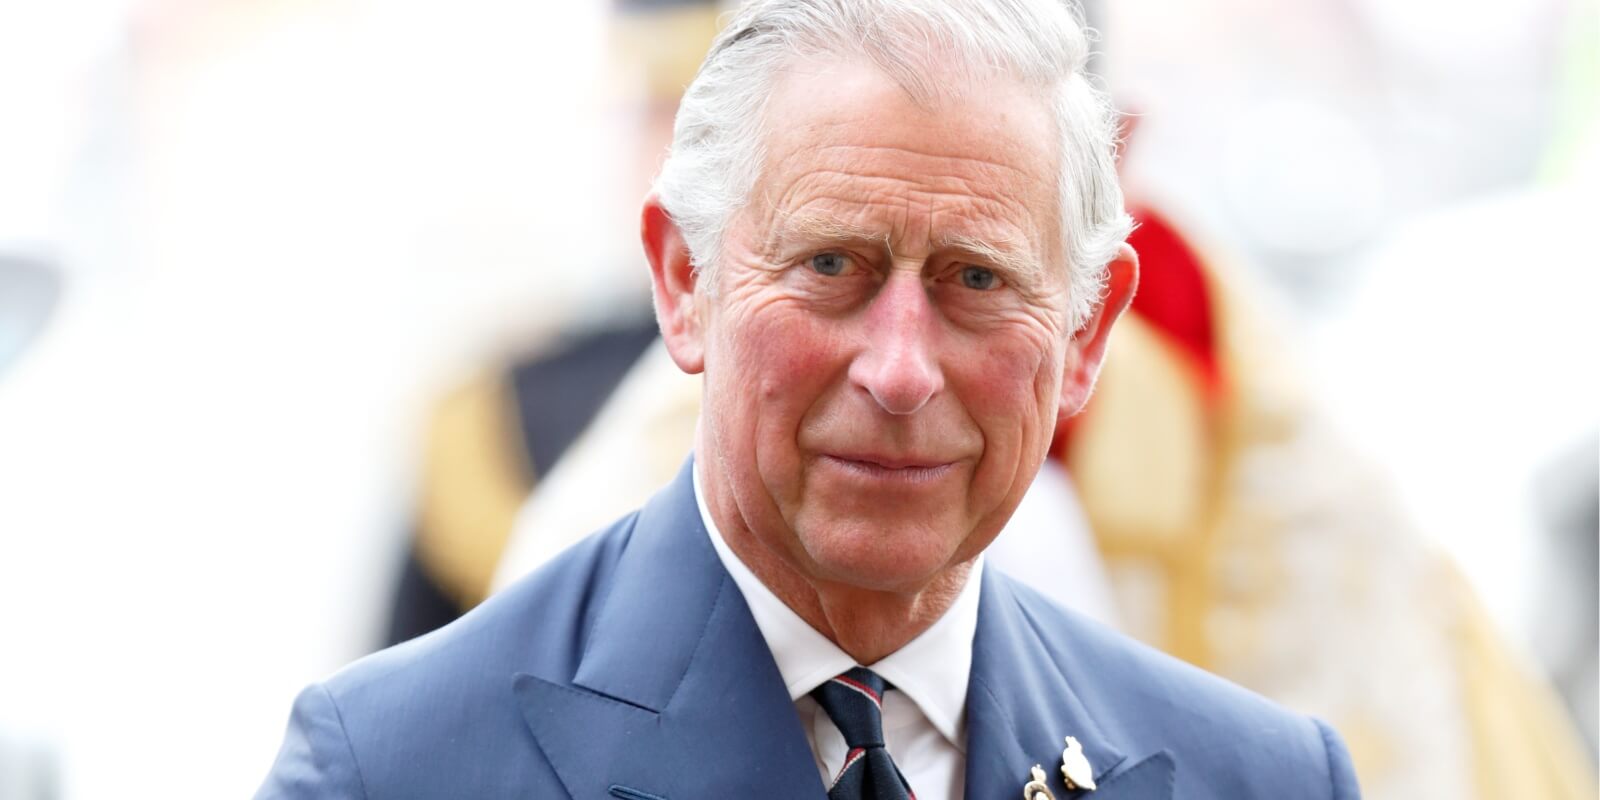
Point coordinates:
[(249, 250)]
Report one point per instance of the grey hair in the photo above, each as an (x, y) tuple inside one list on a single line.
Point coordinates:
[(717, 153)]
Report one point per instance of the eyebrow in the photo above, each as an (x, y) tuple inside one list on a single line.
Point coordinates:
[(827, 229), (1005, 258)]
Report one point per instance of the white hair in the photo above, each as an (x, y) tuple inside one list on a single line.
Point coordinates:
[(717, 154)]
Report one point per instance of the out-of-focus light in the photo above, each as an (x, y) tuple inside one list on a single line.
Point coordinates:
[(45, 51), (1302, 178), (1450, 33)]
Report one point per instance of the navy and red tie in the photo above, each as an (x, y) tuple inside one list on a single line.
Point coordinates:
[(854, 701)]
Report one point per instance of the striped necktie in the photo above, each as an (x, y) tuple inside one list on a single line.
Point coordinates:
[(854, 701)]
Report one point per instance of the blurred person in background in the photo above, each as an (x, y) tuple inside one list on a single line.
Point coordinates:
[(1249, 518), (493, 436)]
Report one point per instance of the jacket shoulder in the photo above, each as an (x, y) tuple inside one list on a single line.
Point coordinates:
[(538, 623), (436, 716)]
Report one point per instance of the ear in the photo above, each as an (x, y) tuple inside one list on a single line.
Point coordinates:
[(1088, 346), (672, 278)]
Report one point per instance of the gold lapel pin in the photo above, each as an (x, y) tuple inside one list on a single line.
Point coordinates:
[(1075, 769), (1035, 789)]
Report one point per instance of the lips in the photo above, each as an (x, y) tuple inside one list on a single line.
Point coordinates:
[(906, 469), (889, 461)]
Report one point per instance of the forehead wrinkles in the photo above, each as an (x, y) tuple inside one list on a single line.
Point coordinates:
[(911, 210), (933, 172)]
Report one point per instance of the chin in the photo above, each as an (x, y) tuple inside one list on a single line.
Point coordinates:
[(878, 554)]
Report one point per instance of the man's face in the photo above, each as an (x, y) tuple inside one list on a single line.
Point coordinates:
[(885, 348)]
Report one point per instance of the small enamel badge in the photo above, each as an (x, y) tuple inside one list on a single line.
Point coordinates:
[(1075, 769), (1035, 789)]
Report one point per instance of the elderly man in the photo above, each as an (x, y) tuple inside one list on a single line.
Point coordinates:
[(890, 235)]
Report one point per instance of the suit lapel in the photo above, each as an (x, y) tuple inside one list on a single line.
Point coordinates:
[(676, 695), (1021, 706)]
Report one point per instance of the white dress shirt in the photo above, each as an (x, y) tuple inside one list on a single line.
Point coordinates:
[(924, 718)]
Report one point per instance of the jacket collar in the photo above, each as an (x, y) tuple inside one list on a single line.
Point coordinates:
[(1021, 706)]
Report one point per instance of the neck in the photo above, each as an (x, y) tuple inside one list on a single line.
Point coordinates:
[(868, 624)]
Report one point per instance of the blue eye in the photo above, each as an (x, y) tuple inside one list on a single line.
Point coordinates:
[(829, 264), (979, 278)]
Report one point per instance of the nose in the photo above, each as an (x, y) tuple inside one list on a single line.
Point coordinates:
[(899, 366)]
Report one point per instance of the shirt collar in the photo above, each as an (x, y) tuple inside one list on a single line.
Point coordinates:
[(932, 669)]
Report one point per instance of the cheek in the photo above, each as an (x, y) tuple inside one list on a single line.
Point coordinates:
[(1013, 387), (768, 334), (779, 351), (1018, 375), (776, 365)]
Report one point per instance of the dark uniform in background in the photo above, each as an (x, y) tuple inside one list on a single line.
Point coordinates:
[(487, 443)]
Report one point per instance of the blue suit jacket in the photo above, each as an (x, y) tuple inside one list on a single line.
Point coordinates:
[(629, 667)]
